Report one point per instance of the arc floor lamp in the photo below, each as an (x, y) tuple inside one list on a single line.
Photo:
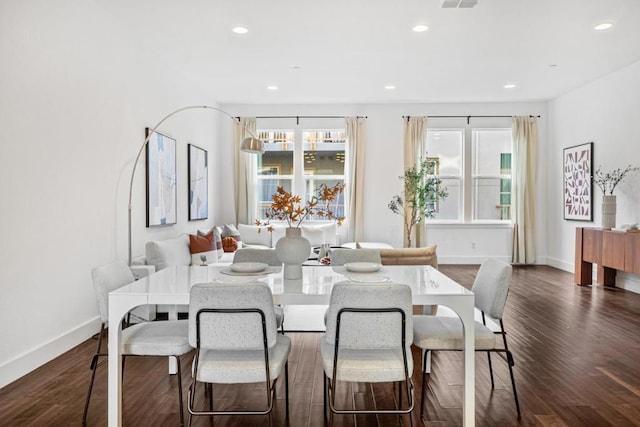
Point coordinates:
[(250, 144)]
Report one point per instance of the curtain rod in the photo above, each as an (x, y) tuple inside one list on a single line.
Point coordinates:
[(307, 117), (467, 117)]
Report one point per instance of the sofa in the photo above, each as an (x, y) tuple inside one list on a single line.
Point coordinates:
[(160, 254)]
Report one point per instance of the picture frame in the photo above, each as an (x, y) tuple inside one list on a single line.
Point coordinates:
[(160, 156), (577, 171), (198, 177)]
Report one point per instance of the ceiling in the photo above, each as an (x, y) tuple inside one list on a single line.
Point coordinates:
[(346, 51)]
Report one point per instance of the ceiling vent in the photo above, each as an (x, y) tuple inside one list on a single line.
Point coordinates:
[(458, 4)]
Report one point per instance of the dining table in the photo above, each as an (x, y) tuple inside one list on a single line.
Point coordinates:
[(172, 285)]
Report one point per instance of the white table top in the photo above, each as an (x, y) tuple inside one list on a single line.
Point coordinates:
[(172, 285)]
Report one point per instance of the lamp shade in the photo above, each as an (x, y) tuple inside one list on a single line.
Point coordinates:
[(252, 145)]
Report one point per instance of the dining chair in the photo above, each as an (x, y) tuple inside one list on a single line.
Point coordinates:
[(341, 257), (163, 338), (233, 328), (368, 339), (440, 333), (269, 257)]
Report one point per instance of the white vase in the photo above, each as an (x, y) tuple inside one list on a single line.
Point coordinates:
[(292, 250), (608, 212)]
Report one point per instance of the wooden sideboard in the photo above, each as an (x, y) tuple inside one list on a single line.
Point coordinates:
[(611, 250)]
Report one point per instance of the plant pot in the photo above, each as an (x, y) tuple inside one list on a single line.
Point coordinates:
[(292, 250), (608, 212)]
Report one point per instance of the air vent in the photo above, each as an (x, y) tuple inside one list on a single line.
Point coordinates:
[(458, 4)]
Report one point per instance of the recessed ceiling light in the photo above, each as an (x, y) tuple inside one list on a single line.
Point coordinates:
[(240, 30), (604, 26), (272, 87), (509, 86), (420, 28), (553, 65), (389, 87)]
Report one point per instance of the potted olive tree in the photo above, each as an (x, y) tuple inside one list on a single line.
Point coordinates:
[(419, 200)]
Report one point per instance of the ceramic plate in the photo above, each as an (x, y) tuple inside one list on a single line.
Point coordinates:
[(248, 267), (368, 278), (235, 279), (362, 267)]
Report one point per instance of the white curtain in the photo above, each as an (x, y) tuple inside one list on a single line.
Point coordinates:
[(414, 148), (525, 151), (354, 192), (245, 172)]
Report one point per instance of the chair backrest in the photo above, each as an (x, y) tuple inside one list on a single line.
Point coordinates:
[(267, 256), (342, 256), (410, 256), (370, 330), (107, 278), (491, 287), (169, 252), (224, 331)]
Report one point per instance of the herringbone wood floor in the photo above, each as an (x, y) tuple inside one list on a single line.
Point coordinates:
[(577, 353)]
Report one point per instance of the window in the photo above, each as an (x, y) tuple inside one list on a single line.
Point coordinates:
[(492, 174), (475, 164), (445, 149), (300, 161)]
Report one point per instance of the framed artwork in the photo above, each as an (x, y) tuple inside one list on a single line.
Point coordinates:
[(161, 180), (577, 169), (198, 183)]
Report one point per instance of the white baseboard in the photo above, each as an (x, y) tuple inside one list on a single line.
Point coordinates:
[(629, 282), (560, 264), (32, 359), (477, 260)]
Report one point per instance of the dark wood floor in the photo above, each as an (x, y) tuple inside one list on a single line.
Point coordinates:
[(577, 353)]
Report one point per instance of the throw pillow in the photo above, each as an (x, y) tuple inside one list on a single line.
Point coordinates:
[(254, 235), (217, 238), (314, 234), (229, 244), (203, 249), (230, 230)]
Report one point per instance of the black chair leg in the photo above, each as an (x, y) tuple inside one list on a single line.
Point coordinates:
[(513, 381), (324, 398), (286, 389), (490, 369), (210, 390), (179, 374), (93, 366)]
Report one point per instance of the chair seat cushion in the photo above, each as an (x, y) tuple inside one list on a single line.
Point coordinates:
[(164, 338), (242, 366), (445, 333), (366, 365)]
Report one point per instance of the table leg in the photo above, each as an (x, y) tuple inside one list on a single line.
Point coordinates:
[(173, 363), (464, 308), (116, 312)]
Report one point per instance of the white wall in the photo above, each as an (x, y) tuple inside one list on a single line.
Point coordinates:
[(384, 165), (76, 95), (606, 112)]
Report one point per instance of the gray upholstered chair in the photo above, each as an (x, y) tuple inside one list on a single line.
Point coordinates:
[(166, 338), (368, 339), (341, 257), (267, 256), (437, 333), (233, 328)]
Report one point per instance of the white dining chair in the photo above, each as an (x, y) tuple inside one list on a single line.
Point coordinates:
[(341, 257), (441, 333), (368, 339), (269, 257), (233, 328), (163, 338)]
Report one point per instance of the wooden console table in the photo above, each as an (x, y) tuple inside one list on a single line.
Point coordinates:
[(611, 250)]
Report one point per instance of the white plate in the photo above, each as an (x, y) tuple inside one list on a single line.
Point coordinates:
[(248, 267), (235, 279), (362, 267), (368, 278)]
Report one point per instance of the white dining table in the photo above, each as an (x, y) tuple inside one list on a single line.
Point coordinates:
[(172, 286)]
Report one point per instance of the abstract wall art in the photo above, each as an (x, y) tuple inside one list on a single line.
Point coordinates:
[(198, 183), (578, 186), (161, 180)]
